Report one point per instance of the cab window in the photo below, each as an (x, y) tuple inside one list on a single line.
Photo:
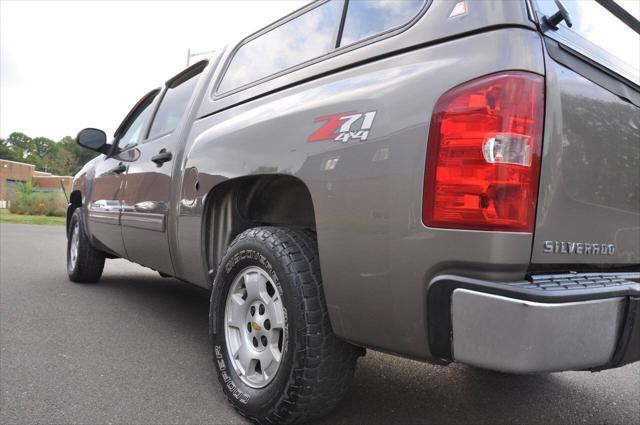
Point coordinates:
[(315, 33), (305, 37)]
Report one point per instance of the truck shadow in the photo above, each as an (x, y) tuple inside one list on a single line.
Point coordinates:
[(388, 389)]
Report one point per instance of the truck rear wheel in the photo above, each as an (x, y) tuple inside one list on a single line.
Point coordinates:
[(84, 262), (275, 353)]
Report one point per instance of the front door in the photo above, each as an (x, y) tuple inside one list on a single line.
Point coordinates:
[(105, 205), (147, 187)]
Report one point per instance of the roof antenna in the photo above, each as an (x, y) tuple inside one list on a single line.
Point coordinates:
[(561, 15)]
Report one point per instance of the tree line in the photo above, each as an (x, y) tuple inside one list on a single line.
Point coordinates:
[(64, 158)]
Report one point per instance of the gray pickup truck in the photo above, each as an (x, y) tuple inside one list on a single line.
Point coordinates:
[(449, 181)]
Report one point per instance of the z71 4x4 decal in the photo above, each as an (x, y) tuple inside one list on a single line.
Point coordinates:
[(344, 127)]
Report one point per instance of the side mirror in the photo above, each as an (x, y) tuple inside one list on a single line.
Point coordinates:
[(94, 139)]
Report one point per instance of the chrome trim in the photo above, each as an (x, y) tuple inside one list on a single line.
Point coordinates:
[(146, 221), (517, 336), (530, 12), (107, 217)]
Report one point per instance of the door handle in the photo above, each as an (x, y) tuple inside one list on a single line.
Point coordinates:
[(121, 168), (162, 157)]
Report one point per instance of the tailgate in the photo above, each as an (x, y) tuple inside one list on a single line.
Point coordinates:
[(589, 196)]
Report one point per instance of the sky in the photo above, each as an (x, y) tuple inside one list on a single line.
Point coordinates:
[(67, 65)]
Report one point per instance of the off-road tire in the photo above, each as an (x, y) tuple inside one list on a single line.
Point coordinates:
[(316, 367), (90, 262)]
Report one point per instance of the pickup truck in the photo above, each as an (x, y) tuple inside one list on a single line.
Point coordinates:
[(448, 181)]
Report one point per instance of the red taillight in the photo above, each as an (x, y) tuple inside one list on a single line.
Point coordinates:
[(483, 157)]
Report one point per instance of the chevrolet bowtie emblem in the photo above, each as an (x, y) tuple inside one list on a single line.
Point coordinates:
[(255, 326)]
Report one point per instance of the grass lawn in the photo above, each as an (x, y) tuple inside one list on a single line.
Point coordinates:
[(7, 217)]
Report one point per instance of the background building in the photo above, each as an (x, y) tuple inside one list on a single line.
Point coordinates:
[(12, 173)]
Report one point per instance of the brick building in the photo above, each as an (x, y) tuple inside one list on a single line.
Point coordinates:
[(12, 173)]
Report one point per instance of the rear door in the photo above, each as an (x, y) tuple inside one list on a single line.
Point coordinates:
[(589, 198), (148, 183)]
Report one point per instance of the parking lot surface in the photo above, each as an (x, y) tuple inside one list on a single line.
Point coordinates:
[(134, 349)]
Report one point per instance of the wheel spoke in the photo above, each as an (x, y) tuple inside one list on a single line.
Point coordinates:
[(266, 358), (256, 285), (275, 352), (276, 314), (236, 318), (251, 283), (246, 359)]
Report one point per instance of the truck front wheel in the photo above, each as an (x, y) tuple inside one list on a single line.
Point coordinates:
[(84, 262), (275, 353)]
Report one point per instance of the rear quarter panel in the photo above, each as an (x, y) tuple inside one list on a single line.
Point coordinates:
[(376, 255)]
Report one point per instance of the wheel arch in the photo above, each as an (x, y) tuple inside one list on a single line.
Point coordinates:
[(238, 204), (75, 201)]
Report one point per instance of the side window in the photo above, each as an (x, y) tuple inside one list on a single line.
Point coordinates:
[(303, 38), (172, 107), (606, 38), (131, 135), (366, 18)]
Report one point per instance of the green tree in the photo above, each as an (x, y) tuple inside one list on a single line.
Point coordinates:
[(81, 154), (6, 151), (41, 147), (20, 144), (64, 157), (43, 153)]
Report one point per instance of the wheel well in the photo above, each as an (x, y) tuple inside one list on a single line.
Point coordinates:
[(245, 202), (75, 201)]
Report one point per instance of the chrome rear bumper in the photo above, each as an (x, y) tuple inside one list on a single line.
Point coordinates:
[(524, 328), (510, 335)]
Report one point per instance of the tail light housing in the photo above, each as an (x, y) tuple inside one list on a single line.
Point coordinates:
[(483, 154)]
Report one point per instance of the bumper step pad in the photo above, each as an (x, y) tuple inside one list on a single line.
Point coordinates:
[(561, 282)]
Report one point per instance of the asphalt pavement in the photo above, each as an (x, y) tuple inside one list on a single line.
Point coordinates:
[(134, 349)]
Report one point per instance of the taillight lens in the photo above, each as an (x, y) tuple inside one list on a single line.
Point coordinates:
[(483, 156)]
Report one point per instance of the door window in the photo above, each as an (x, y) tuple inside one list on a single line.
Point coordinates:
[(131, 133), (172, 107)]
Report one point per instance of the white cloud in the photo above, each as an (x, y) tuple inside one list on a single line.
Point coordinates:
[(65, 65)]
